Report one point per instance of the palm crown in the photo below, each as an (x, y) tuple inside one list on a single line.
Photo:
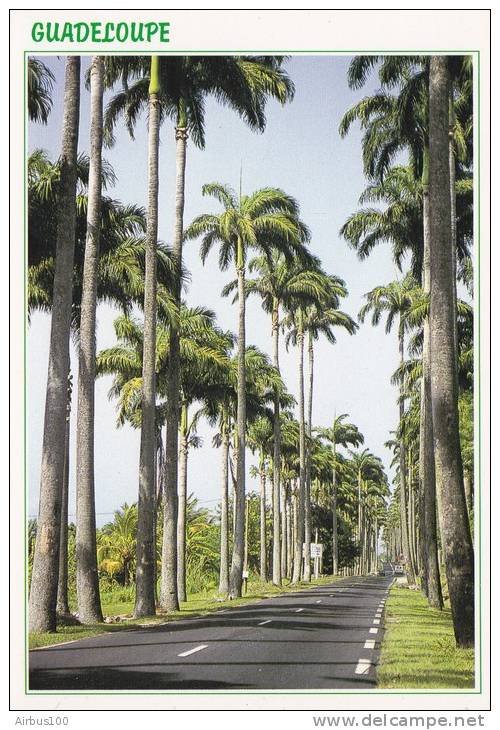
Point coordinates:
[(265, 220)]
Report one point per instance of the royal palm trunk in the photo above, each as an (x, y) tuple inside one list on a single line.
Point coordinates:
[(278, 564), (335, 538), (181, 519), (145, 572), (427, 473), (239, 526), (453, 214), (44, 578), (299, 535), (169, 600), (284, 534), (307, 496), (87, 578), (62, 584), (455, 532), (403, 492), (263, 540), (360, 520), (224, 518)]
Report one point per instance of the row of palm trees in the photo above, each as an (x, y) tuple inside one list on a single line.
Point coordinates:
[(137, 270), (177, 357), (424, 110)]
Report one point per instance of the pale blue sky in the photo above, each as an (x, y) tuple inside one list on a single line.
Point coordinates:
[(301, 152)]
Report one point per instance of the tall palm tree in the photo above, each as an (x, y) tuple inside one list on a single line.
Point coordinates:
[(279, 285), (366, 467), (43, 590), (87, 579), (296, 322), (395, 299), (266, 220), (457, 544), (321, 319), (427, 473), (339, 434), (146, 559), (203, 380)]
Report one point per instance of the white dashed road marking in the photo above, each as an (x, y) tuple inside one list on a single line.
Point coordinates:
[(370, 644), (376, 621), (363, 666), (193, 651), (263, 623), (373, 631), (319, 601), (299, 610)]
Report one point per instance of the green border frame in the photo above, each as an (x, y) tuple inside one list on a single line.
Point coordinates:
[(478, 660)]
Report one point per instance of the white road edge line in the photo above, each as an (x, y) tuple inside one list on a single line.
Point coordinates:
[(363, 666), (369, 644), (192, 651), (263, 623)]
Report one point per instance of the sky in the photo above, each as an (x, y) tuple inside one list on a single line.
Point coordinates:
[(301, 152)]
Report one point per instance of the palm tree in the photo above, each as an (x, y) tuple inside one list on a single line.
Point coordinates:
[(87, 579), (279, 285), (145, 575), (188, 439), (40, 85), (366, 468), (266, 220), (242, 82), (204, 371), (321, 319), (296, 321), (339, 434), (396, 299), (456, 539), (43, 591)]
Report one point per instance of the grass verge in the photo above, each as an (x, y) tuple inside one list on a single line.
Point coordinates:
[(418, 650), (199, 604)]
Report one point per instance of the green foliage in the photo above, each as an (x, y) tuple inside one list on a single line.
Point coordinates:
[(466, 421)]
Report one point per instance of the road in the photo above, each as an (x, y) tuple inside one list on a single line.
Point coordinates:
[(326, 637)]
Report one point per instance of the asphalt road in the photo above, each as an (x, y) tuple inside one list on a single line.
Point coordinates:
[(327, 637)]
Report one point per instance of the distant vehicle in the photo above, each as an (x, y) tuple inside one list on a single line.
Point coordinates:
[(399, 569)]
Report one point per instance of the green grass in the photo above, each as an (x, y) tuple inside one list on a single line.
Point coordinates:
[(418, 650), (199, 604)]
